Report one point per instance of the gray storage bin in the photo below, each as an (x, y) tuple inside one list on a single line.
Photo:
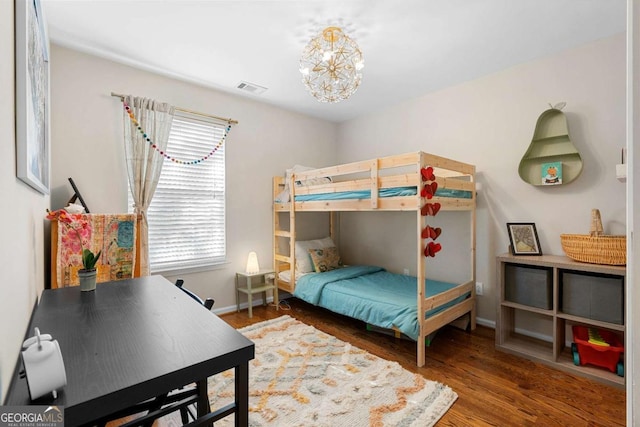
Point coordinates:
[(593, 296), (529, 285)]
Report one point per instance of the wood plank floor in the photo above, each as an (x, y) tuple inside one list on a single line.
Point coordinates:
[(494, 388)]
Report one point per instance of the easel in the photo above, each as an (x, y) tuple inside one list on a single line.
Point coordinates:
[(77, 196)]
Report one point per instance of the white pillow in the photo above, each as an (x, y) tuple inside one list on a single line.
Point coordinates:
[(304, 264)]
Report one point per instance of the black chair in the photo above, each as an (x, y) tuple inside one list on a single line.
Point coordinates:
[(185, 410), (182, 399), (208, 303)]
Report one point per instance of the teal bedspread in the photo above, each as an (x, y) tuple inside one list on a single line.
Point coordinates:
[(385, 192), (371, 294)]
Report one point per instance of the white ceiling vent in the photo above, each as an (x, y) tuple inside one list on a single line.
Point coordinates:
[(251, 88)]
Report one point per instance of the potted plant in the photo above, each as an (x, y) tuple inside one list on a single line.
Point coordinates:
[(87, 274)]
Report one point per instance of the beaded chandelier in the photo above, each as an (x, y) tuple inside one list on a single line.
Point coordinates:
[(331, 66)]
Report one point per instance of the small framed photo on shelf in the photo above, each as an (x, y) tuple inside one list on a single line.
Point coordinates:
[(551, 173), (524, 238)]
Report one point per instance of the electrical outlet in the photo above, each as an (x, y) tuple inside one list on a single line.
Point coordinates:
[(479, 288), (406, 271)]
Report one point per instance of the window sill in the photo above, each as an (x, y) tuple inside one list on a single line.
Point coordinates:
[(176, 271)]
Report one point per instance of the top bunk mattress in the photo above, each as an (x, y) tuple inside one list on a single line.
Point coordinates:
[(385, 192), (284, 197), (373, 295)]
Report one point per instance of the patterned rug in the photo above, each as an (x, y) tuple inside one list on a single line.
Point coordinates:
[(304, 377)]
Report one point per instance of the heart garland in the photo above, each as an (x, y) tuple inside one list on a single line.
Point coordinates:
[(428, 191)]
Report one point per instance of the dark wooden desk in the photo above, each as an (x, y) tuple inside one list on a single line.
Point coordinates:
[(132, 340)]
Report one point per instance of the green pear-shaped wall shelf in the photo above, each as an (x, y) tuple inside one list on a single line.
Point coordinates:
[(551, 158)]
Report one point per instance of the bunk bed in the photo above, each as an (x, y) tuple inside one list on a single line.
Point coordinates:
[(420, 182)]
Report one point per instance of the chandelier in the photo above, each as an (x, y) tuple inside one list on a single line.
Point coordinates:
[(331, 66)]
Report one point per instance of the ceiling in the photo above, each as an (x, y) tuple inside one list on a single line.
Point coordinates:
[(410, 47)]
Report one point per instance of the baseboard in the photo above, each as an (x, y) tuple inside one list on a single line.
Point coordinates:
[(243, 306), (486, 322)]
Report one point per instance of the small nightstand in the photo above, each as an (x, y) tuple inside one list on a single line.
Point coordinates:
[(252, 288)]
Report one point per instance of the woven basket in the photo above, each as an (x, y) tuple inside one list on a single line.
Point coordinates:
[(595, 247)]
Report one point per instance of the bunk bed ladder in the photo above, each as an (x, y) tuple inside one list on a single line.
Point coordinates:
[(281, 261)]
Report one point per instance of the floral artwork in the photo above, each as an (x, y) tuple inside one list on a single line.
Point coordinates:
[(112, 234)]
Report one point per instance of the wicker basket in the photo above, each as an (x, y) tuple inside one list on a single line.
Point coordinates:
[(595, 247)]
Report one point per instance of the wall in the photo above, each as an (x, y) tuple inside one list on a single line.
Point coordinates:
[(632, 350), (87, 128), (489, 122), (21, 221)]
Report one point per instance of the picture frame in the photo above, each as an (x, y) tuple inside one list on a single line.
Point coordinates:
[(32, 95), (523, 237), (551, 173)]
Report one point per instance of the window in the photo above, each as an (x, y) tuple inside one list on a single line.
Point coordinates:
[(187, 214)]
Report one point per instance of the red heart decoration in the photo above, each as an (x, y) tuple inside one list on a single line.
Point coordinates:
[(431, 233), (429, 190), (430, 209), (427, 174), (436, 232), (432, 249), (426, 192)]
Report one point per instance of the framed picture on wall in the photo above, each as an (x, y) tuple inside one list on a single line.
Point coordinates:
[(32, 95), (523, 237), (551, 173)]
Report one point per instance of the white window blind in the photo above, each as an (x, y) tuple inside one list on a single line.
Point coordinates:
[(187, 213)]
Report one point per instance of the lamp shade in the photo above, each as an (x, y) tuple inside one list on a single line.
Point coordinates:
[(252, 263)]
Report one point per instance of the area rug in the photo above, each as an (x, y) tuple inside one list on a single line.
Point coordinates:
[(304, 377)]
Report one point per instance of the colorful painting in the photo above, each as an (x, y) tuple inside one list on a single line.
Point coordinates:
[(114, 235), (551, 173)]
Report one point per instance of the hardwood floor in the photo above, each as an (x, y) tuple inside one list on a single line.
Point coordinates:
[(494, 388)]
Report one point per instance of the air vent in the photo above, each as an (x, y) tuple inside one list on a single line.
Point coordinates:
[(251, 88)]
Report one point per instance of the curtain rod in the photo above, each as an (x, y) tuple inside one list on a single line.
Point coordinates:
[(231, 121)]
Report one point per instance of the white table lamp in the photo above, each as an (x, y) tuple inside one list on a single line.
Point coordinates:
[(252, 263)]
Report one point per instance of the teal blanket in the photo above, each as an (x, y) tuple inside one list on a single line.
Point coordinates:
[(385, 192), (371, 294)]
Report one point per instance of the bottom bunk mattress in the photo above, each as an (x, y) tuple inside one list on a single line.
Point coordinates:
[(371, 294)]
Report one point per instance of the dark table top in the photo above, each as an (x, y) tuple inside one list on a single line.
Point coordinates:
[(128, 341)]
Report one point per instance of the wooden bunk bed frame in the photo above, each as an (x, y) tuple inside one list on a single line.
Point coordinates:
[(383, 173)]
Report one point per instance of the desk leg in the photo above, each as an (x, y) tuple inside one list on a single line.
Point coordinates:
[(242, 395), (203, 399)]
